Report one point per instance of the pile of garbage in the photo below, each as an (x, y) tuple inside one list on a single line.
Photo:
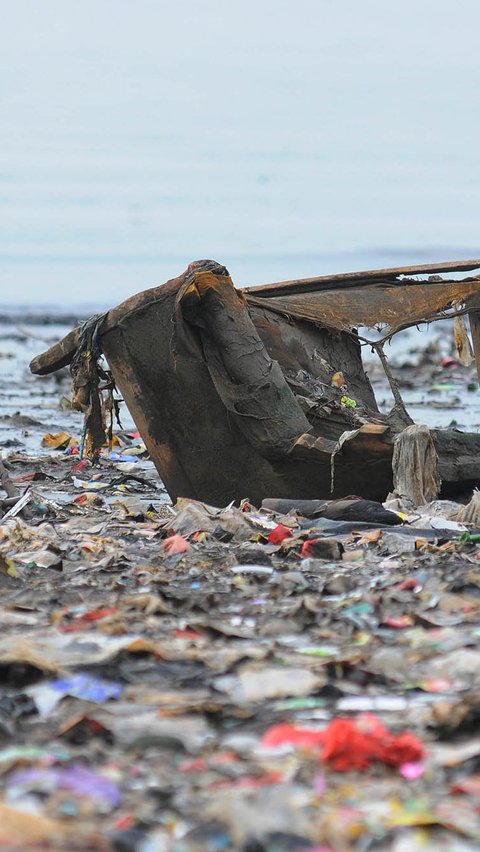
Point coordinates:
[(192, 677), (271, 675)]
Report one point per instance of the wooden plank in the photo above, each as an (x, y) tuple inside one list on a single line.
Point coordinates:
[(369, 276), (57, 356), (374, 429), (61, 354)]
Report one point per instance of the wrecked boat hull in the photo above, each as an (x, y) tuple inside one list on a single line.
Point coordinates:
[(195, 437), (233, 394)]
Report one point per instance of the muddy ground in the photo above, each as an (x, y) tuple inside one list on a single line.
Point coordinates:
[(185, 679)]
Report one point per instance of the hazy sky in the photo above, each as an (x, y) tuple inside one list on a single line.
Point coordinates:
[(281, 138)]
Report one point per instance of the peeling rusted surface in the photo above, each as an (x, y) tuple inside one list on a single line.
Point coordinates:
[(388, 297), (393, 307)]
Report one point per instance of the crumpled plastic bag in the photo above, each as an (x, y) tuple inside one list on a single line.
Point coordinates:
[(350, 743)]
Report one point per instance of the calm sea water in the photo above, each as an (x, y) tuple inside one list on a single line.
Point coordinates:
[(281, 138)]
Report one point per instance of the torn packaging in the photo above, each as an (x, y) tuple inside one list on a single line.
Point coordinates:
[(234, 395)]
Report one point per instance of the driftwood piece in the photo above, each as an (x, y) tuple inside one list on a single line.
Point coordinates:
[(415, 466)]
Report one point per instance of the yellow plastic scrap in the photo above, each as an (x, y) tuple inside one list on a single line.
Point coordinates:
[(59, 440), (7, 567)]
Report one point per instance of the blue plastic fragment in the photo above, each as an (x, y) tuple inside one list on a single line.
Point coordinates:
[(88, 687), (118, 457)]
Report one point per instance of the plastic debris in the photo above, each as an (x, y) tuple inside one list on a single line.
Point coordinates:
[(351, 744), (88, 687), (279, 534), (76, 779), (175, 544)]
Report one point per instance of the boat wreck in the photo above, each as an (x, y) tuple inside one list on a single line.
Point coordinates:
[(261, 392)]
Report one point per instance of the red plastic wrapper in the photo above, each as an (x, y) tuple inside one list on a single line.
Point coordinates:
[(448, 361), (85, 620), (409, 584), (279, 534), (399, 623), (312, 548), (82, 465), (350, 743), (124, 823), (175, 544), (287, 734)]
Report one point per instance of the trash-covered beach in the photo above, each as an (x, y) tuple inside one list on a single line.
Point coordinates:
[(198, 677)]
